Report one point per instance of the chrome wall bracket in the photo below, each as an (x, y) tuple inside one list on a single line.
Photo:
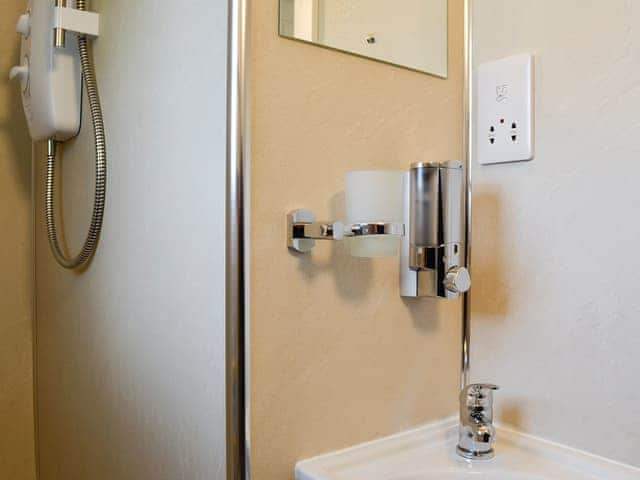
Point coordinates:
[(303, 230)]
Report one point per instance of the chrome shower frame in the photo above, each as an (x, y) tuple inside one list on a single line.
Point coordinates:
[(465, 366), (237, 273)]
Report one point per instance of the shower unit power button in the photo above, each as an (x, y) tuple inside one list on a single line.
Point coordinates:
[(504, 129)]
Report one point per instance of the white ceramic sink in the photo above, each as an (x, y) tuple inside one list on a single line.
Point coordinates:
[(472, 476), (428, 453)]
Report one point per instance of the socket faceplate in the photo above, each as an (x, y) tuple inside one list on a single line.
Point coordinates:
[(504, 120)]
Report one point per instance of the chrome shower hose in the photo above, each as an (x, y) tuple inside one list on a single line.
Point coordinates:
[(95, 228)]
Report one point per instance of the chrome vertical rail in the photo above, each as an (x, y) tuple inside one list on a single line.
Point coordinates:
[(468, 160), (59, 34), (35, 212), (235, 241)]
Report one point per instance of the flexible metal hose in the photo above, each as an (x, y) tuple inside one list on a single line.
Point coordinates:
[(95, 228)]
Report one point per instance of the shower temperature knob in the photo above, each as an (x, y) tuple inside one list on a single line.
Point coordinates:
[(24, 25), (458, 280), (21, 73)]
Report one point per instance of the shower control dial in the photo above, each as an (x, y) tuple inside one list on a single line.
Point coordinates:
[(21, 73), (458, 280), (24, 25)]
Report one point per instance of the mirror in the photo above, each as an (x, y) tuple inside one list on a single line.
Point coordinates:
[(407, 33)]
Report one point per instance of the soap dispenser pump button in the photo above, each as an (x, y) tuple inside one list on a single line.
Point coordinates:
[(458, 280)]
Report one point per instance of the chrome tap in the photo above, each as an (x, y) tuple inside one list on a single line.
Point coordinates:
[(476, 431)]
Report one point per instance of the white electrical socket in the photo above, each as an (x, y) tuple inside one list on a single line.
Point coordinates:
[(504, 119)]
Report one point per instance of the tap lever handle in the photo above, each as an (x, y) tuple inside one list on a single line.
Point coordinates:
[(479, 387), (478, 393)]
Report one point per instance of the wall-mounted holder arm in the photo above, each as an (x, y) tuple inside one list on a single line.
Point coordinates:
[(303, 230)]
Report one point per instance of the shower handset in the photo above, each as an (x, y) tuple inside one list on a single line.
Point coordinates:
[(54, 64)]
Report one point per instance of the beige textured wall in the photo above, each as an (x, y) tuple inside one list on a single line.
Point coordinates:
[(17, 459), (555, 242), (337, 356)]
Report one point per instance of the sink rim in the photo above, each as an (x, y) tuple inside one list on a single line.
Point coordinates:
[(436, 441), (458, 475)]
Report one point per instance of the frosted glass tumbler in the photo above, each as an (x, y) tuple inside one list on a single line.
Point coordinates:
[(374, 196)]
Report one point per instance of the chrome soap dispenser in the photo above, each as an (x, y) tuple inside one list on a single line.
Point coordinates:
[(431, 259)]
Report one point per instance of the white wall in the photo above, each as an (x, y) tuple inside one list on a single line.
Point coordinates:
[(131, 353), (16, 272), (556, 302)]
